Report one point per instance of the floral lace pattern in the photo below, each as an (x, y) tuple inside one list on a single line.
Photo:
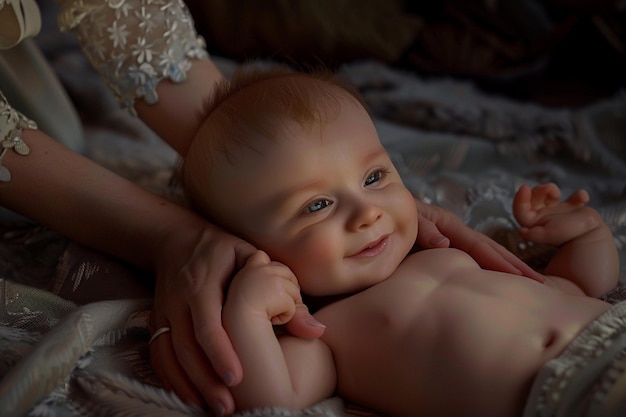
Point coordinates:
[(12, 123), (134, 44)]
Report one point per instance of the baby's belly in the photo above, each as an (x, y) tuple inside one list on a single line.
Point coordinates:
[(473, 347), (487, 354), (509, 313)]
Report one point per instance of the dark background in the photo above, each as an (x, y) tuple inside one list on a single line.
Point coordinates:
[(553, 52)]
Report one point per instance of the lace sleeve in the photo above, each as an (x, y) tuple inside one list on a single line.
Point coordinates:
[(134, 44), (12, 123)]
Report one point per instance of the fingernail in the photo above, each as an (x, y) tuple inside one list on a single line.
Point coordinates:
[(218, 409), (228, 378), (313, 323)]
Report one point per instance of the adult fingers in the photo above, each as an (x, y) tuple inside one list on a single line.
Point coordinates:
[(198, 370), (170, 373), (205, 307), (495, 257), (180, 362), (428, 234)]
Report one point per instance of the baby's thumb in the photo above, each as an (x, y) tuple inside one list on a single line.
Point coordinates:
[(258, 258), (304, 325)]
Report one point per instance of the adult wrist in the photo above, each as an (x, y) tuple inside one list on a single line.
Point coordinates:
[(176, 238)]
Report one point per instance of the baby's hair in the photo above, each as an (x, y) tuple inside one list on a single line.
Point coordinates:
[(290, 94), (259, 104)]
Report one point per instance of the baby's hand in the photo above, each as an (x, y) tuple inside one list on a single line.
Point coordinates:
[(266, 287), (545, 219)]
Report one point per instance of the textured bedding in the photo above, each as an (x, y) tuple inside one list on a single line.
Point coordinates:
[(73, 330)]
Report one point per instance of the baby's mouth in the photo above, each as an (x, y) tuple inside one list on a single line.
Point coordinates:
[(372, 248)]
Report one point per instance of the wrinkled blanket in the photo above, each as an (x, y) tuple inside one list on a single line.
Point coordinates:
[(73, 335)]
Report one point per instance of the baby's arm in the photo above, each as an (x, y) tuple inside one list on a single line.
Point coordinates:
[(587, 254), (287, 371)]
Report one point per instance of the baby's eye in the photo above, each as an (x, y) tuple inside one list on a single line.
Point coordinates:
[(317, 206), (374, 177)]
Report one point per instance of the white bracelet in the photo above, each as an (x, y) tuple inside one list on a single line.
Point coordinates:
[(12, 123)]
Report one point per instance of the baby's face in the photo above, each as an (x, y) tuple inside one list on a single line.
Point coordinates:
[(327, 202)]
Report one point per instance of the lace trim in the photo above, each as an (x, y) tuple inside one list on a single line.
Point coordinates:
[(12, 123), (134, 44), (581, 363)]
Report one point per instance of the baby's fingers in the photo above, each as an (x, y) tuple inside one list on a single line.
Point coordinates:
[(545, 195), (530, 204), (277, 290), (578, 198), (258, 258), (522, 207)]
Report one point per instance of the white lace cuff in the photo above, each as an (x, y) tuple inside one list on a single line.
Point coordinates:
[(134, 44), (12, 123)]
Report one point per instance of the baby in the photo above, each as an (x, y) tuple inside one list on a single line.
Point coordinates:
[(292, 163)]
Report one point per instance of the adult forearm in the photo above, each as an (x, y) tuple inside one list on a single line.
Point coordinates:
[(182, 103), (151, 58), (68, 192)]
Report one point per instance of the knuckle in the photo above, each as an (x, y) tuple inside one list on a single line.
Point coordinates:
[(593, 219), (186, 276)]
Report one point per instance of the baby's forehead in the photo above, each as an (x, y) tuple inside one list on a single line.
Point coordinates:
[(279, 109)]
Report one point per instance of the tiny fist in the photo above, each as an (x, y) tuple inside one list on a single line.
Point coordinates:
[(258, 258)]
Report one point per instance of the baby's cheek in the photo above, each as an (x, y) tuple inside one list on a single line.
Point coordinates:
[(315, 256), (316, 250), (406, 218)]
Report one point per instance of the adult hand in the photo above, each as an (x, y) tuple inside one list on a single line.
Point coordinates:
[(439, 228), (196, 359)]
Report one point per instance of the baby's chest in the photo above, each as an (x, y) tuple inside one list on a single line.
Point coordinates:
[(374, 323), (373, 343), (390, 308)]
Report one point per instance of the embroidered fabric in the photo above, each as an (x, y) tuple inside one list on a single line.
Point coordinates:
[(578, 382), (12, 123), (134, 44)]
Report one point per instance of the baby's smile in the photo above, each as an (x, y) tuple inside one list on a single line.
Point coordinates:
[(373, 248)]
